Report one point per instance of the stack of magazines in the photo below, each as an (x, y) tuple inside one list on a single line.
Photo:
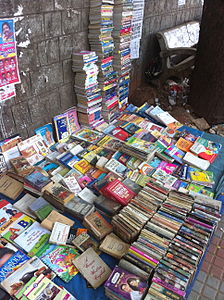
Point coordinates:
[(86, 87), (123, 10), (101, 41)]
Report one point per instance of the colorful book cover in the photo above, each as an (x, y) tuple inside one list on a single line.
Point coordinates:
[(17, 227), (8, 215), (204, 152), (88, 135), (175, 153), (33, 239), (73, 120), (11, 259), (60, 260), (167, 167), (184, 145), (46, 132), (62, 127), (213, 146), (120, 134), (145, 169), (203, 177), (37, 180), (125, 284), (82, 166), (32, 268)]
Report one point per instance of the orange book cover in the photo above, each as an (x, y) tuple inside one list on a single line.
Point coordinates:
[(184, 145)]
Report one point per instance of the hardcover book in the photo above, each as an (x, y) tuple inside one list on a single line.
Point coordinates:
[(83, 241), (59, 193), (92, 267)]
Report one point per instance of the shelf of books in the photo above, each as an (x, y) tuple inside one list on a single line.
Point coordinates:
[(122, 211)]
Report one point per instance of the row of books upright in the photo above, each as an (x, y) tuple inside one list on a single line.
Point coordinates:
[(122, 38), (101, 41)]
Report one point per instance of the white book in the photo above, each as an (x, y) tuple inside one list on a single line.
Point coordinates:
[(59, 234), (87, 195), (195, 161)]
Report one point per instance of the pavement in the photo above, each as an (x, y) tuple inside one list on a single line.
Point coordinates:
[(209, 284)]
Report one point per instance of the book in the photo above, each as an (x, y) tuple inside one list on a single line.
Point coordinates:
[(46, 132), (107, 206), (11, 259), (24, 203), (116, 167), (53, 217), (88, 135), (175, 153), (41, 208), (98, 226), (83, 241), (61, 260), (59, 234), (32, 239), (62, 129), (114, 246), (92, 268), (183, 144), (206, 149), (203, 178), (38, 180), (59, 193), (126, 285), (195, 161), (8, 214), (21, 166), (10, 187), (32, 268)]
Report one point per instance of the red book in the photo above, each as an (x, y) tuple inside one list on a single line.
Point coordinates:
[(120, 134), (118, 192)]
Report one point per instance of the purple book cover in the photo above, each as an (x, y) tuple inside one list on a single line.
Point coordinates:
[(126, 284)]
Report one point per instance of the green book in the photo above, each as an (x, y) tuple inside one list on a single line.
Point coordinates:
[(41, 208)]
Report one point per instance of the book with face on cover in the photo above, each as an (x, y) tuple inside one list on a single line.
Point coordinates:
[(46, 132), (114, 246), (10, 187), (8, 215), (92, 267), (32, 268), (53, 217)]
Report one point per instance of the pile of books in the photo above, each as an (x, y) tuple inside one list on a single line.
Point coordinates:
[(101, 41), (122, 54), (86, 87)]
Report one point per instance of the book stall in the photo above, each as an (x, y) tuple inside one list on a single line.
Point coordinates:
[(124, 210)]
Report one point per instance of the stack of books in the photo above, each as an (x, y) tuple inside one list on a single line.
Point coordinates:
[(86, 87), (122, 55), (101, 41)]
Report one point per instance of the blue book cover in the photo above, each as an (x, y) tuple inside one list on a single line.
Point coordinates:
[(46, 132), (37, 180), (62, 126), (16, 259)]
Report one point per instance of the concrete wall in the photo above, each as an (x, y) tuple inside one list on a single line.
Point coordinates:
[(159, 15), (47, 30)]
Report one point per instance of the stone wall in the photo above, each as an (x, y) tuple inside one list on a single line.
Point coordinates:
[(159, 15), (47, 30)]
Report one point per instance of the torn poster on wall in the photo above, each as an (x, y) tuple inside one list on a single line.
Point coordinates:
[(137, 22), (9, 72)]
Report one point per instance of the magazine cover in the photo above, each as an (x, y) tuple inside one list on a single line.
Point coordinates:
[(59, 259), (126, 285), (46, 132)]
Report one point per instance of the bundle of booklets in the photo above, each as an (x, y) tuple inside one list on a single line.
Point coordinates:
[(122, 39), (87, 88), (150, 209), (101, 41)]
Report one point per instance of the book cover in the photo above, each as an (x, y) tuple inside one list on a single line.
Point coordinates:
[(53, 217), (21, 166), (61, 260), (116, 167), (114, 246), (82, 166), (83, 241), (59, 234), (46, 132), (175, 153), (8, 215), (17, 227), (125, 284), (73, 120), (60, 193), (11, 259), (203, 152), (88, 135), (10, 187), (92, 267), (120, 134), (41, 208), (62, 127), (167, 167), (32, 268), (33, 239), (183, 144), (38, 180)]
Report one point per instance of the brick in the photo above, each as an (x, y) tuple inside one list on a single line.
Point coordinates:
[(62, 4), (198, 286), (52, 103), (209, 292), (85, 20), (209, 257), (205, 267), (37, 109), (65, 45), (67, 71), (67, 96), (23, 90), (21, 115), (202, 276), (219, 261), (193, 296), (71, 21), (220, 253), (52, 24), (222, 288), (52, 46), (46, 78), (28, 58), (6, 8), (213, 282), (216, 272), (218, 233)]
